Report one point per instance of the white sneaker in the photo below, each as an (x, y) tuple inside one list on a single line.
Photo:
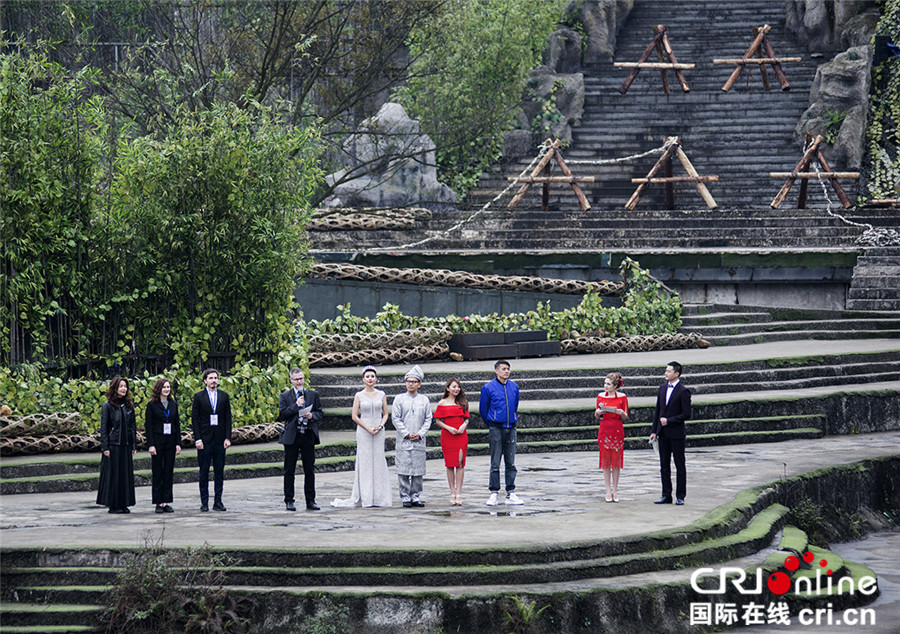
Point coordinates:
[(512, 498), (492, 501)]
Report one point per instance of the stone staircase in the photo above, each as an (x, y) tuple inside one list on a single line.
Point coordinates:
[(876, 280), (724, 325), (61, 589), (740, 136)]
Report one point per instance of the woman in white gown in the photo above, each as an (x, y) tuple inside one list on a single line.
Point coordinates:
[(371, 486)]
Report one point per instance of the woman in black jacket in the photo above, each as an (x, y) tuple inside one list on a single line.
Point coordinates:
[(118, 442), (163, 428)]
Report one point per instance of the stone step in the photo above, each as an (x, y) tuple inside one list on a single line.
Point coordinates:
[(434, 568), (44, 615), (716, 319), (587, 385), (801, 325)]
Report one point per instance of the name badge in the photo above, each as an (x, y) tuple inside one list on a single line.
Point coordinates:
[(167, 428), (214, 420)]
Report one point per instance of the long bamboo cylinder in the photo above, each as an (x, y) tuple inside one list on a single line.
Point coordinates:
[(813, 174), (755, 60), (664, 65), (551, 179), (689, 168), (677, 179)]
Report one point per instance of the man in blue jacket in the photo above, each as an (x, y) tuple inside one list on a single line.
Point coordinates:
[(498, 409)]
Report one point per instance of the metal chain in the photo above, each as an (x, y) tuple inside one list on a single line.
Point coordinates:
[(543, 149), (871, 236), (658, 150)]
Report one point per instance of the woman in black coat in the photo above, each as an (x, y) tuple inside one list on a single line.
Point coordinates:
[(163, 428), (118, 442)]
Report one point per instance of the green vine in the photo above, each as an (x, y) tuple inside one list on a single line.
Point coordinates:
[(883, 131), (647, 308)]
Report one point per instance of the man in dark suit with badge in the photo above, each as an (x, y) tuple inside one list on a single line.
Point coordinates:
[(300, 437), (673, 408), (211, 423)]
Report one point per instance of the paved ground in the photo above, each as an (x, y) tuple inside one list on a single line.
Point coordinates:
[(564, 495)]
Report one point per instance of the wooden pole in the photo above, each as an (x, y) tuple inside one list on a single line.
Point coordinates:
[(552, 179), (704, 193), (670, 188), (545, 190), (763, 71), (776, 67), (634, 73), (663, 65), (535, 172), (671, 55), (636, 196), (804, 189), (823, 174), (582, 200), (760, 33), (801, 165), (725, 61), (836, 185), (659, 56), (677, 179)]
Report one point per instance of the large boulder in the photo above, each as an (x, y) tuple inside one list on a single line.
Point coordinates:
[(602, 21), (827, 26), (839, 97), (563, 53), (553, 103), (390, 163)]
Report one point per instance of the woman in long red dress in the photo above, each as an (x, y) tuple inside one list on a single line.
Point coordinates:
[(452, 415), (612, 409)]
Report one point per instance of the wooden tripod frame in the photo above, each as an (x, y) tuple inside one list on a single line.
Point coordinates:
[(546, 179), (665, 163), (812, 150), (660, 42), (760, 43)]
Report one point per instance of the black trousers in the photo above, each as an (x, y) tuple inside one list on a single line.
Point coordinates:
[(305, 448), (672, 448), (163, 467), (213, 453)]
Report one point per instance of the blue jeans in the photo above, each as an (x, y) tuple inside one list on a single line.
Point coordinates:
[(212, 453), (503, 444)]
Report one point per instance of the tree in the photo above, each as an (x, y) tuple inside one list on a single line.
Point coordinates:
[(466, 84), (50, 170)]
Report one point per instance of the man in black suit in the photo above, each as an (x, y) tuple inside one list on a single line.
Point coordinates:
[(300, 436), (673, 407), (211, 422)]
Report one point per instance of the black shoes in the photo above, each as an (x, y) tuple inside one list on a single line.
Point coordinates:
[(406, 504), (679, 502), (417, 503), (168, 509), (312, 506), (289, 506), (119, 511), (204, 508), (664, 500), (160, 509), (218, 506)]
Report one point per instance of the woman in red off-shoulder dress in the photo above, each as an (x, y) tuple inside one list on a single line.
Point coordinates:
[(612, 409), (452, 415)]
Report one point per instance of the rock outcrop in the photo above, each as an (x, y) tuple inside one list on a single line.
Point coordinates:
[(828, 26), (839, 101), (391, 163)]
